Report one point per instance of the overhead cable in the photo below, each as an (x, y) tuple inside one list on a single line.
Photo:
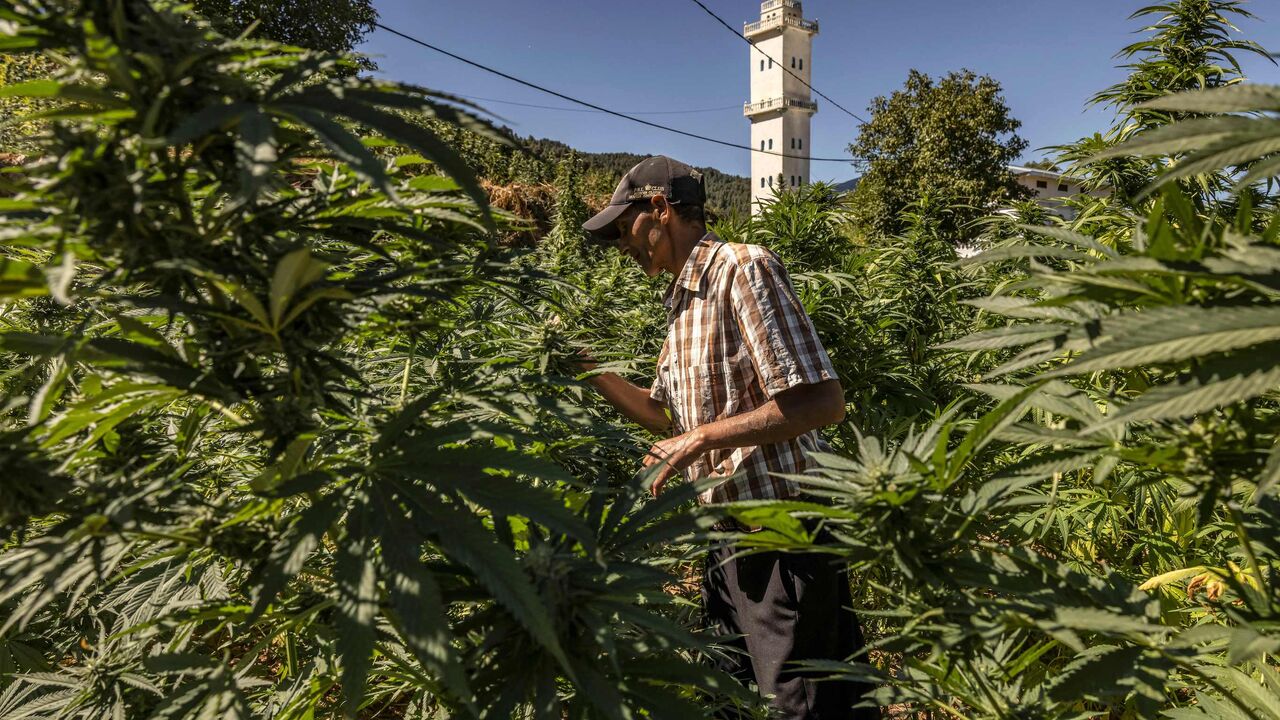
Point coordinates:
[(604, 110), (804, 82), (589, 110)]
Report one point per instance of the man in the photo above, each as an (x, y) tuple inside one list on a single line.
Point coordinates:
[(743, 384)]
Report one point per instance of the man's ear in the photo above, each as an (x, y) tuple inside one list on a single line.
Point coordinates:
[(663, 207)]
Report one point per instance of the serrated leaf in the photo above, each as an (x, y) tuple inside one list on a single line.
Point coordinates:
[(293, 272), (206, 121), (1096, 673), (462, 538), (255, 152), (292, 551), (1005, 337), (344, 146), (1215, 385), (1174, 334), (1240, 97), (355, 583), (418, 604)]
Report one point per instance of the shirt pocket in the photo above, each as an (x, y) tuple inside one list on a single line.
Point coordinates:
[(710, 393)]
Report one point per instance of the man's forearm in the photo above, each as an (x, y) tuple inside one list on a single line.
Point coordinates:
[(633, 401), (790, 414)]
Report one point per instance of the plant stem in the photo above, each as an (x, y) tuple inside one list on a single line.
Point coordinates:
[(1238, 521), (404, 378)]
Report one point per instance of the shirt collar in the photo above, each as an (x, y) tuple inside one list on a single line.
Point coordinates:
[(695, 268)]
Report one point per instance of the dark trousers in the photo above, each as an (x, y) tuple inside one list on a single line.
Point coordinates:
[(776, 608)]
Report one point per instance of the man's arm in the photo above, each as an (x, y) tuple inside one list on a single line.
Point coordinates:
[(630, 399), (790, 413)]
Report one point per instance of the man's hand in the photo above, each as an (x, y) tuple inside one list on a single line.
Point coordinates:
[(673, 455), (585, 361)]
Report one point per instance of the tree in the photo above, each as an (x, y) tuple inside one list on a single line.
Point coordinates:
[(952, 137), (328, 25), (1045, 164), (325, 25)]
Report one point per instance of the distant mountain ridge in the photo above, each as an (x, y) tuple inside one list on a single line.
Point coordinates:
[(726, 194), (504, 165)]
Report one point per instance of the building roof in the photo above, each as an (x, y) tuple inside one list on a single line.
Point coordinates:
[(1020, 170)]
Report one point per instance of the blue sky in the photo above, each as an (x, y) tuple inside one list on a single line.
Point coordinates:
[(667, 55)]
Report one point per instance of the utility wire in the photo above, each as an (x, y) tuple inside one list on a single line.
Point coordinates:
[(605, 110), (748, 41), (587, 110)]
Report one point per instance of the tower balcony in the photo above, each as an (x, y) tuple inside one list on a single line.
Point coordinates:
[(768, 5), (782, 20), (777, 104)]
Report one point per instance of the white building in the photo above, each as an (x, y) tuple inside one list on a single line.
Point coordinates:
[(781, 106), (1050, 188)]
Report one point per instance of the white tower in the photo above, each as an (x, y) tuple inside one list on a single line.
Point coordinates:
[(781, 107)]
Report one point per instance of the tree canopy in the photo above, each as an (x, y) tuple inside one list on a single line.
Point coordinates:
[(328, 25), (952, 136)]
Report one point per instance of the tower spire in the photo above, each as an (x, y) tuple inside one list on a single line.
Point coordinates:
[(781, 107)]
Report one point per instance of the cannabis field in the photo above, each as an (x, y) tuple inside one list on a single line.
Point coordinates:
[(291, 426)]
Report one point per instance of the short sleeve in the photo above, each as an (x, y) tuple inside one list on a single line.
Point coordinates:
[(776, 330), (659, 390)]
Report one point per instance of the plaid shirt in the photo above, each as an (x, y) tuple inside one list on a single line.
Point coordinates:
[(736, 336)]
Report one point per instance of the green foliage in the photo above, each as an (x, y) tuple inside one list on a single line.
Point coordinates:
[(285, 434), (1102, 541), (1024, 554), (879, 307), (571, 211), (15, 69), (335, 26), (536, 160), (808, 226), (952, 137), (1190, 47)]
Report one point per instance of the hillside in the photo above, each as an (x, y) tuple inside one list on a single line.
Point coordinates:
[(503, 165), (726, 194)]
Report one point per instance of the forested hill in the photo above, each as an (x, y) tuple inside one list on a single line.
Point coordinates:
[(726, 194)]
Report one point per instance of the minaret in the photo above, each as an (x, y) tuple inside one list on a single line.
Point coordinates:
[(781, 106)]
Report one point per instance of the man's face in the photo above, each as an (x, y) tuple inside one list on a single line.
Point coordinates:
[(643, 238)]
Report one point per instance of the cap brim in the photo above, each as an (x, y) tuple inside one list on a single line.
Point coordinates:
[(601, 224)]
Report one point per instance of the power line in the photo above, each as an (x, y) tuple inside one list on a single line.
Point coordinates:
[(748, 41), (587, 110), (605, 110)]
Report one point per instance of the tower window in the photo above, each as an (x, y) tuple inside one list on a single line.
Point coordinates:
[(761, 182), (800, 143), (770, 143), (793, 62), (770, 63), (762, 145), (793, 143), (770, 181), (801, 63), (761, 66)]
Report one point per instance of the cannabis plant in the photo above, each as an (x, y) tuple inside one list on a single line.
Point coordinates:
[(258, 464)]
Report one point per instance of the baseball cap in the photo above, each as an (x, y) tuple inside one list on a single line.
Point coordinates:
[(658, 175)]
